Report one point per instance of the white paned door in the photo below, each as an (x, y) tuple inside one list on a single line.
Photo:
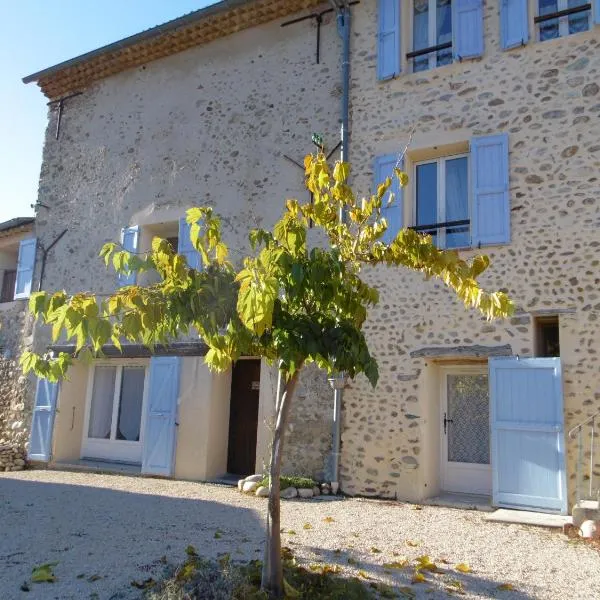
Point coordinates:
[(528, 453), (465, 423)]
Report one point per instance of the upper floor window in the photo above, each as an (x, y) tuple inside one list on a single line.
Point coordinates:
[(432, 34), (558, 18), (442, 200), (17, 264)]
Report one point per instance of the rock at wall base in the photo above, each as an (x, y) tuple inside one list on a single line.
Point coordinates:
[(262, 492), (289, 493), (305, 493)]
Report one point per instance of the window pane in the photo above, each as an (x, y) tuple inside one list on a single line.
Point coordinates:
[(579, 21), (457, 201), (102, 403), (421, 33), (130, 404), (444, 30), (548, 29), (427, 196)]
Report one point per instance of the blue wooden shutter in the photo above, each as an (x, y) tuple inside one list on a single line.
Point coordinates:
[(158, 453), (597, 12), (490, 215), (25, 268), (129, 241), (42, 421), (527, 420), (388, 43), (186, 248), (384, 167), (467, 28), (514, 23)]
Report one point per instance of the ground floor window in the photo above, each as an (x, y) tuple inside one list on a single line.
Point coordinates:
[(116, 398)]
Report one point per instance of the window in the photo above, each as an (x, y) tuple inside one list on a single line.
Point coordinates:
[(442, 200), (9, 280), (546, 336), (432, 34), (558, 18)]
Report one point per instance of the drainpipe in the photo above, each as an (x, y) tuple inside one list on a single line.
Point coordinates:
[(338, 383)]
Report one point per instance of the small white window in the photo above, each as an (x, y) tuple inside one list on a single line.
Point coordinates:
[(432, 34), (559, 18), (442, 200)]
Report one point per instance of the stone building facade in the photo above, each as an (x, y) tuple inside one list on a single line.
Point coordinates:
[(217, 123)]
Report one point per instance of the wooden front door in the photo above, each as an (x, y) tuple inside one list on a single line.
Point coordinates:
[(243, 417)]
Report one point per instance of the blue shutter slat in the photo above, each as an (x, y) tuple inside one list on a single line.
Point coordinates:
[(490, 220), (186, 248), (384, 167), (42, 421), (388, 43), (514, 23), (158, 453), (129, 241), (467, 28), (25, 268)]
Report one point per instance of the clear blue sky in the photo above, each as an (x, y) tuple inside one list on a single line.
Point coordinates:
[(35, 34)]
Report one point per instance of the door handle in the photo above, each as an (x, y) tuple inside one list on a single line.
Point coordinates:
[(446, 421)]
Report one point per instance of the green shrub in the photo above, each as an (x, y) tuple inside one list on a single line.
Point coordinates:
[(296, 481)]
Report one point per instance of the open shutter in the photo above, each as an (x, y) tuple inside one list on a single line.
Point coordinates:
[(384, 167), (25, 268), (527, 422), (490, 220), (186, 248), (597, 12), (388, 43), (467, 28), (514, 24), (42, 422), (158, 454), (129, 241)]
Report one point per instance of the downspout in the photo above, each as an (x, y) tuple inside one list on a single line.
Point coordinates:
[(343, 22)]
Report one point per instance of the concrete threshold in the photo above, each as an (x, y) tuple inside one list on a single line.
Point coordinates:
[(97, 466), (462, 501), (526, 517)]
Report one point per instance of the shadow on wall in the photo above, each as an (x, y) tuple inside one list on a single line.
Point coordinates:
[(103, 538)]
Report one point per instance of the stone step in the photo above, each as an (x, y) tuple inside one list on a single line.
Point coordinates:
[(586, 510)]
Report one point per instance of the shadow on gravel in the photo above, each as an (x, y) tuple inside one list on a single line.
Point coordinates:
[(104, 539), (446, 583)]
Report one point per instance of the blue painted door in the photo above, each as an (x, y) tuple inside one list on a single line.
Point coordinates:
[(528, 453), (42, 421), (158, 454)]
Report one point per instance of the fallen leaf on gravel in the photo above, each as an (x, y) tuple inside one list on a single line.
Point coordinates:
[(463, 568), (375, 550), (328, 520), (191, 551), (397, 564), (412, 543), (506, 587), (363, 574), (291, 532), (418, 578), (43, 573), (417, 507), (143, 585), (352, 561), (25, 587), (218, 535), (337, 551), (355, 534), (307, 526), (81, 576), (94, 578), (425, 564), (456, 584)]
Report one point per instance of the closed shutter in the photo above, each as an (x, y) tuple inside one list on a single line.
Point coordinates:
[(42, 421), (490, 223), (384, 167), (597, 12), (160, 434), (467, 28), (129, 241), (514, 25), (186, 248), (25, 268), (388, 43)]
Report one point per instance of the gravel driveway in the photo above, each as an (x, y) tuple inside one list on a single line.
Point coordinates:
[(107, 530)]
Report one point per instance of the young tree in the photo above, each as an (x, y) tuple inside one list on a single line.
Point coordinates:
[(288, 303)]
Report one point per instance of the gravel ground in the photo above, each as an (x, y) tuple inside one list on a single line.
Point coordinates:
[(107, 530)]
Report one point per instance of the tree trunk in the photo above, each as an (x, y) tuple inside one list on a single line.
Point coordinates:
[(272, 577)]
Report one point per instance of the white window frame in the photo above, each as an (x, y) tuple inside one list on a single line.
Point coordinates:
[(431, 34), (441, 195), (113, 449), (563, 22)]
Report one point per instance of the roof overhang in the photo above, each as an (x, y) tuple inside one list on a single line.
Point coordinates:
[(140, 351), (16, 225), (197, 28)]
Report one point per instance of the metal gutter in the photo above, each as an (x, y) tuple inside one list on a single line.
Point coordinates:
[(148, 34)]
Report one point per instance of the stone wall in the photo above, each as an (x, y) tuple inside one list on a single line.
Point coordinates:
[(15, 391)]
